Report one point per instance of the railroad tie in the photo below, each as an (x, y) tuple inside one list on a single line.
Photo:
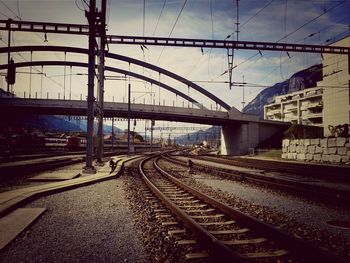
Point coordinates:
[(208, 216), (218, 223), (230, 231), (198, 255), (188, 201), (177, 231), (186, 242), (244, 241), (192, 206), (268, 254), (159, 210), (163, 216), (200, 210), (173, 192), (182, 198)]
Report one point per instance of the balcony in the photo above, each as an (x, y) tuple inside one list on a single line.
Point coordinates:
[(270, 112), (311, 115), (311, 105)]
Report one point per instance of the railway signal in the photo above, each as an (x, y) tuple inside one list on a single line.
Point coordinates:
[(11, 73)]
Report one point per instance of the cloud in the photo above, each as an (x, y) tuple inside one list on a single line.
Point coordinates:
[(126, 18)]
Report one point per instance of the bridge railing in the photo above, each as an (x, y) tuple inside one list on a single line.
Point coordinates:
[(82, 97)]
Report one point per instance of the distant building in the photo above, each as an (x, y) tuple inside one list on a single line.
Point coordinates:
[(300, 107), (336, 88)]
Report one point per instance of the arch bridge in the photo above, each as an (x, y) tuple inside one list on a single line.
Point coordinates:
[(239, 131)]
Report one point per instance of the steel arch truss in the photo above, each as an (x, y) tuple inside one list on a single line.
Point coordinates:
[(122, 58), (112, 69)]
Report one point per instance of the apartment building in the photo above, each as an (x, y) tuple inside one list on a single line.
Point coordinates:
[(326, 105), (300, 107)]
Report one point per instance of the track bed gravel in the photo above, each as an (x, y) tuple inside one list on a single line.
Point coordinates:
[(265, 205), (87, 224)]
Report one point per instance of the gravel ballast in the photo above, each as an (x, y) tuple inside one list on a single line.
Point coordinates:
[(88, 224), (297, 216)]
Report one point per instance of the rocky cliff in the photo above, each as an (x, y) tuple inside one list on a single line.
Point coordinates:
[(303, 79)]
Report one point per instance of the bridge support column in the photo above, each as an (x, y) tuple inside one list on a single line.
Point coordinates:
[(238, 139)]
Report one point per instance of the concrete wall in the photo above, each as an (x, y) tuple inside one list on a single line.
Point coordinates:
[(238, 139), (232, 140), (331, 150)]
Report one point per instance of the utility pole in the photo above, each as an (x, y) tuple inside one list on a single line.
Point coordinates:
[(101, 77), (145, 133), (129, 99), (91, 16), (112, 134), (152, 125), (8, 53), (243, 101)]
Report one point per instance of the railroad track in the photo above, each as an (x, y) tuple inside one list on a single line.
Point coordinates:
[(220, 232), (332, 195), (331, 173)]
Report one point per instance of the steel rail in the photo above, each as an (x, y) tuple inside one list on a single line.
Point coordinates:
[(331, 173), (331, 195), (339, 173), (293, 244), (221, 251)]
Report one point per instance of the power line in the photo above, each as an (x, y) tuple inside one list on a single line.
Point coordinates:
[(265, 6), (177, 19), (211, 18), (81, 9), (144, 17), (109, 11), (161, 12), (286, 35), (19, 14), (4, 15), (310, 21), (247, 21), (172, 29), (9, 8)]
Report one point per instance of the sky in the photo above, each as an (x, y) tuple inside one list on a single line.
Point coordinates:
[(318, 22)]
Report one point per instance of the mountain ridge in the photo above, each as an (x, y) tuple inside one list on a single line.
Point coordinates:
[(300, 80)]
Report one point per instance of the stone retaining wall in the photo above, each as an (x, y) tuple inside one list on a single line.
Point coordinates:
[(334, 150)]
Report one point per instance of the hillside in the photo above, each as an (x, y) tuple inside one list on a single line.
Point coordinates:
[(49, 123), (303, 79), (212, 134)]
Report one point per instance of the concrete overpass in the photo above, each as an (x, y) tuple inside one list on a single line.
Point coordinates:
[(239, 131)]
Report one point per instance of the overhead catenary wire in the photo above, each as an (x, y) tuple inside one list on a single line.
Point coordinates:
[(294, 31), (81, 9), (144, 18), (19, 13), (8, 8), (172, 29), (1, 13), (161, 12), (285, 34), (13, 43), (312, 20)]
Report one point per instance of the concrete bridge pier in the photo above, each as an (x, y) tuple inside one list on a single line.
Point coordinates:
[(237, 139)]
